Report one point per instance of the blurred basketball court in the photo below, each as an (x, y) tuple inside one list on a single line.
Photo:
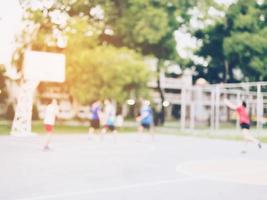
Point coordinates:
[(132, 167)]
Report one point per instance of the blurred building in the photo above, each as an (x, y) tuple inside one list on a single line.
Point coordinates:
[(172, 81)]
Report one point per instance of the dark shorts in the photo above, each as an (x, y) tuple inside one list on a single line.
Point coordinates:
[(48, 128), (95, 123), (110, 127), (146, 126), (244, 126)]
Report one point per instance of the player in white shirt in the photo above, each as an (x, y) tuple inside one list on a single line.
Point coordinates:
[(49, 121)]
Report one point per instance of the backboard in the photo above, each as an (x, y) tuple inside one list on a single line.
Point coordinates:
[(44, 66)]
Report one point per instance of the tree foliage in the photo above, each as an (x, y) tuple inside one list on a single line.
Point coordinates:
[(237, 43), (147, 26), (212, 49), (106, 72), (246, 45), (94, 70)]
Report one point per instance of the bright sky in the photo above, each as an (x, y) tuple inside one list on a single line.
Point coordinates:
[(10, 23), (226, 2)]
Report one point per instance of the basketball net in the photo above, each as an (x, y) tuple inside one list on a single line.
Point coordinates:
[(23, 116)]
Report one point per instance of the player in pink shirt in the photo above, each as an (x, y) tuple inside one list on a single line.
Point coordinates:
[(244, 121)]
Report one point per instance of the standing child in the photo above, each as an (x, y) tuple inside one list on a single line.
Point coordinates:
[(145, 118), (244, 122), (49, 122), (109, 116), (95, 117)]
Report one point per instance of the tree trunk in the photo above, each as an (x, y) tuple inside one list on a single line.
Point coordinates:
[(160, 90), (226, 71), (231, 74)]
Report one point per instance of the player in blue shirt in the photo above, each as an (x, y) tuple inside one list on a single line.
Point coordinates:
[(146, 117)]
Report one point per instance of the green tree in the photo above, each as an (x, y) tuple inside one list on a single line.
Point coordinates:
[(246, 46), (237, 42), (94, 70), (212, 49), (77, 28), (106, 72)]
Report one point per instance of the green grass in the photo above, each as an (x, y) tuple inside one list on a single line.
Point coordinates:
[(170, 128), (225, 133), (5, 127), (37, 127)]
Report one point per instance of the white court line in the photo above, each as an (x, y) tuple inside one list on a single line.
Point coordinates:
[(180, 168), (110, 189)]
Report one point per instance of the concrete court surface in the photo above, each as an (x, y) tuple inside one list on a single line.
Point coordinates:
[(133, 167)]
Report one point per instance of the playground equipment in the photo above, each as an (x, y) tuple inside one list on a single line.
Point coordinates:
[(37, 67)]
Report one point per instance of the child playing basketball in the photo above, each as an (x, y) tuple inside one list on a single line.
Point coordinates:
[(109, 116), (49, 122), (95, 117), (244, 122), (145, 118)]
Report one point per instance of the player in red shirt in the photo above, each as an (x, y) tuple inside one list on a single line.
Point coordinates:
[(244, 121)]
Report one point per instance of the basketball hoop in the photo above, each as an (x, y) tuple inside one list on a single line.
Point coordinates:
[(38, 66)]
